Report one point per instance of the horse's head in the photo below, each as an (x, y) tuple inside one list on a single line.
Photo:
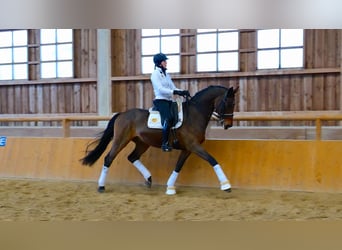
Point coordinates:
[(224, 108)]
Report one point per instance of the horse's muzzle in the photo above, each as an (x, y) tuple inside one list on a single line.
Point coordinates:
[(228, 123), (227, 126), (226, 120)]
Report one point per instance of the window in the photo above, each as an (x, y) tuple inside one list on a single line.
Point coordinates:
[(280, 48), (154, 41), (56, 53), (13, 55), (217, 50)]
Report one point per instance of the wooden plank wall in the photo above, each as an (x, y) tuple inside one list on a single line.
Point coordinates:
[(316, 87), (48, 98)]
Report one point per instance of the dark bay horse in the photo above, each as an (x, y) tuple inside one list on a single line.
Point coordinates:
[(131, 125)]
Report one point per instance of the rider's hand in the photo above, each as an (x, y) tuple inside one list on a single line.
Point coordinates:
[(184, 93)]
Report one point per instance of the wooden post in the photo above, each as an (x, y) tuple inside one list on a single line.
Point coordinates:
[(318, 129), (66, 127), (104, 84), (340, 35)]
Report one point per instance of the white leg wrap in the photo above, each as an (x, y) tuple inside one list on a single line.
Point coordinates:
[(142, 169), (222, 177), (170, 190), (172, 179), (102, 179)]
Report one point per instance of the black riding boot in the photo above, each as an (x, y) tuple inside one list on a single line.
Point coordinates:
[(165, 138)]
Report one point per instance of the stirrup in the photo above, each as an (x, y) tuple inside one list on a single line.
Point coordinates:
[(166, 148)]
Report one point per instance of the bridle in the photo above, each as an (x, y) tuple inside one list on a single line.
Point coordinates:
[(221, 117), (218, 114)]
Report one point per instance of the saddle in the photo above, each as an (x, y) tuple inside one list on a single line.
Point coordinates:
[(154, 119)]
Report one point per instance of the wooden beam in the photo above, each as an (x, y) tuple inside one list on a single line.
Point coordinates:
[(236, 74), (47, 81), (316, 116), (183, 76)]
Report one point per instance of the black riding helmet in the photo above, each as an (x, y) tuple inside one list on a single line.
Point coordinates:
[(158, 58)]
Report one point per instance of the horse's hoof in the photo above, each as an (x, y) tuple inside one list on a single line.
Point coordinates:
[(225, 186), (228, 190), (101, 189), (170, 191), (148, 182)]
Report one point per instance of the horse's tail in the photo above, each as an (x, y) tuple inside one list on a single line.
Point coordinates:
[(101, 143)]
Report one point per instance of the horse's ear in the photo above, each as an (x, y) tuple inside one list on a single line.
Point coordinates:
[(229, 92)]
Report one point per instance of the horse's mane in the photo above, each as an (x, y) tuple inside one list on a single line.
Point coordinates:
[(200, 93)]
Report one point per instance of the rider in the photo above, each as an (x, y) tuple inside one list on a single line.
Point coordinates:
[(164, 88)]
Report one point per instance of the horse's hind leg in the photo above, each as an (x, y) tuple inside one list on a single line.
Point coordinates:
[(140, 148), (170, 189), (118, 145)]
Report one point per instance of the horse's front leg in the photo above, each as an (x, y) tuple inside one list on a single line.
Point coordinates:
[(224, 182), (171, 189)]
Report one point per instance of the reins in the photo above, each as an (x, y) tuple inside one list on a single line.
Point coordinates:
[(219, 111)]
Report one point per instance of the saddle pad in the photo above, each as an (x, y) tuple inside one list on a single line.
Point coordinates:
[(154, 120)]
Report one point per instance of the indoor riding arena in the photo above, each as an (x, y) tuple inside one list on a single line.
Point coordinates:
[(282, 156)]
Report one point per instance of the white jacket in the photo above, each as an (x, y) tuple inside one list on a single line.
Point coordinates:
[(163, 86)]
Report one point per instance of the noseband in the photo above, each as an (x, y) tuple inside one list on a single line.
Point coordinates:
[(221, 117)]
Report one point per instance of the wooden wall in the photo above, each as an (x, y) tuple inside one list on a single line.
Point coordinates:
[(56, 96), (288, 165), (316, 87)]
